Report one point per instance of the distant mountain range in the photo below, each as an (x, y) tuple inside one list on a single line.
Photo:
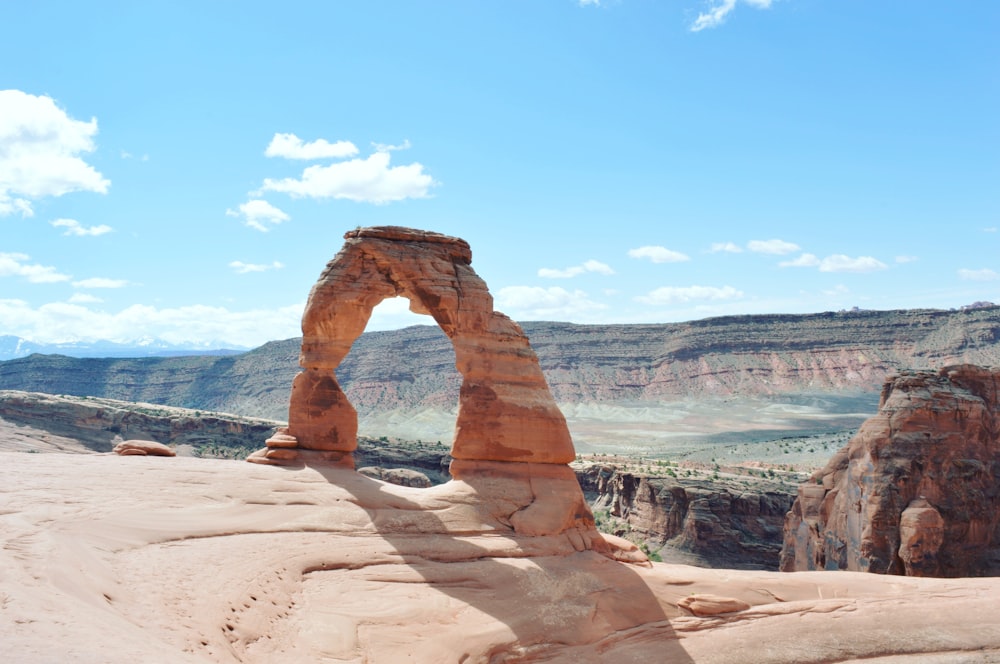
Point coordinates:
[(12, 347), (624, 381)]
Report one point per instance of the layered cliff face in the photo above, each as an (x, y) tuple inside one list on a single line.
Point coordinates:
[(916, 491), (736, 355), (710, 523)]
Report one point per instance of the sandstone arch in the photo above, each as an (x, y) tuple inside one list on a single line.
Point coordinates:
[(505, 411)]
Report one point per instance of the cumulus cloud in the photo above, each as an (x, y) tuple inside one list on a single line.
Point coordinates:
[(726, 247), (658, 254), (576, 270), (772, 247), (718, 12), (678, 294), (984, 274), (537, 303), (369, 180), (16, 265), (258, 213), (40, 148), (842, 263), (837, 263), (805, 260), (100, 282), (202, 324), (74, 227), (243, 268), (291, 146), (84, 298)]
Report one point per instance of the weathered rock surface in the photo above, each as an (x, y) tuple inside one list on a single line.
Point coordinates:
[(99, 423), (262, 564), (505, 410), (142, 448), (722, 524), (916, 491)]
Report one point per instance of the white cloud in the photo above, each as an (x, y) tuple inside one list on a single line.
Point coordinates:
[(590, 3), (100, 282), (658, 254), (839, 289), (805, 260), (62, 321), (256, 213), (727, 247), (718, 12), (576, 270), (985, 274), (291, 146), (536, 303), (394, 313), (837, 263), (39, 152), (14, 265), (370, 180), (388, 147), (772, 247), (84, 298), (74, 227), (677, 294), (842, 263), (990, 229), (243, 268), (906, 259)]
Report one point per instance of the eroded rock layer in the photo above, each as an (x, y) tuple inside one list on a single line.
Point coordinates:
[(916, 491), (505, 411)]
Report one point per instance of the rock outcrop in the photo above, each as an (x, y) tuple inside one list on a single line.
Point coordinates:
[(916, 491), (143, 448), (505, 410), (716, 524)]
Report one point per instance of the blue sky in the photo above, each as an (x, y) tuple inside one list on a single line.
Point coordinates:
[(184, 170)]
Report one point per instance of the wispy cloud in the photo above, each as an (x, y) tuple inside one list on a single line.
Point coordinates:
[(906, 259), (772, 247), (74, 227), (658, 254), (242, 268), (62, 321), (680, 294), (990, 229), (291, 146), (84, 298), (100, 282), (837, 263), (717, 13), (576, 270), (589, 3), (257, 213), (984, 274), (536, 303), (40, 148), (725, 247), (16, 265)]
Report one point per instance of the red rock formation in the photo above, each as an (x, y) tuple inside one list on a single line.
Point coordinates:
[(916, 491), (143, 448), (505, 413)]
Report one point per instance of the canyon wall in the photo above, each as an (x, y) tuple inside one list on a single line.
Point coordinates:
[(916, 491)]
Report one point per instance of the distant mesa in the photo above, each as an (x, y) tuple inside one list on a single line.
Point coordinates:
[(917, 491)]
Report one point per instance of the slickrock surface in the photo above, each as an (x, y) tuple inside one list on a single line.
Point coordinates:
[(916, 491), (505, 410), (143, 448), (114, 560)]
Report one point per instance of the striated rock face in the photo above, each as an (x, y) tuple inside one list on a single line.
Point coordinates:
[(505, 410), (916, 491), (712, 524)]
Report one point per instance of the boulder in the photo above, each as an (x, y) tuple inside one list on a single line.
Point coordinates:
[(143, 448)]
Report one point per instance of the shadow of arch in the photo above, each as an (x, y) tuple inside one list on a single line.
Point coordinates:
[(505, 410)]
